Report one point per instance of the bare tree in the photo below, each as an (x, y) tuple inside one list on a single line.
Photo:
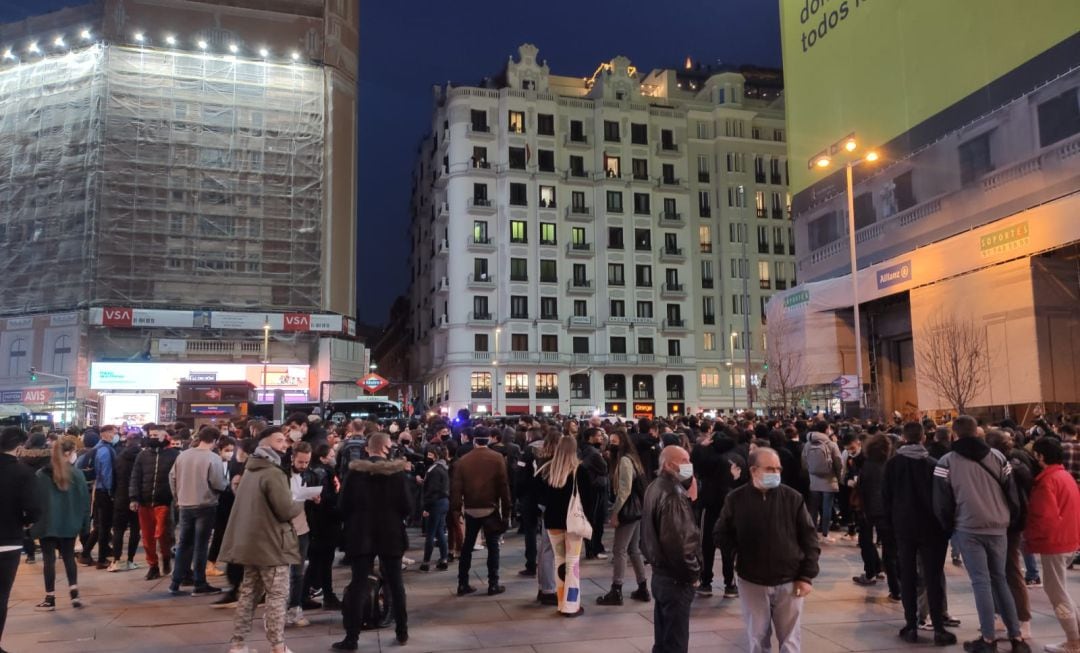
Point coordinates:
[(953, 359), (785, 380)]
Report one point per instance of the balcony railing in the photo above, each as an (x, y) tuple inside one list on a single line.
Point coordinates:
[(579, 249), (673, 289), (703, 177), (483, 280), (579, 213), (667, 148), (480, 203), (670, 216), (481, 317), (579, 286), (576, 140), (481, 243), (479, 129), (573, 173), (547, 204), (673, 323)]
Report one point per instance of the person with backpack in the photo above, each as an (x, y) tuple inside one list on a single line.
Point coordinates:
[(628, 479), (151, 497), (66, 507), (98, 467), (821, 458)]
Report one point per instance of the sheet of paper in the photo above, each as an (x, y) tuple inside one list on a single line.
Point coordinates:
[(305, 493)]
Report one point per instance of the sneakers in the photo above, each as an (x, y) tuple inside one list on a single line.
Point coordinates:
[(76, 602), (731, 591), (601, 556), (1034, 582), (425, 567), (863, 580), (331, 603), (545, 598), (1020, 646), (203, 590), (122, 566), (441, 566), (212, 571), (1061, 648), (153, 573), (494, 590), (705, 589), (980, 645), (294, 617), (48, 605), (926, 625), (944, 638)]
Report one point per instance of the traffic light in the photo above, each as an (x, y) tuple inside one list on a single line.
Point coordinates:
[(33, 374)]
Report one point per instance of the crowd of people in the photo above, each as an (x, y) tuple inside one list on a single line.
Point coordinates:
[(267, 508)]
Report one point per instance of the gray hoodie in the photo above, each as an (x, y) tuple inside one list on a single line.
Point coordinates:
[(831, 482), (970, 484)]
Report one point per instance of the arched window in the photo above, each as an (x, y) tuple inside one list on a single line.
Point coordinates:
[(18, 358), (63, 354)]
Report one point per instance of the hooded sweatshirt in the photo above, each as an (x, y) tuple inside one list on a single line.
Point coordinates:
[(815, 443), (908, 494), (968, 489)]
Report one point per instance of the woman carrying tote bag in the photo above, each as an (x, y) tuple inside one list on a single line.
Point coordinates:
[(628, 482), (563, 517)]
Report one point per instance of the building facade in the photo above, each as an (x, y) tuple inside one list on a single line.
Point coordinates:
[(178, 176), (604, 244)]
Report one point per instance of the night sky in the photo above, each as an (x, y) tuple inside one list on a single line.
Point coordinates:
[(406, 47)]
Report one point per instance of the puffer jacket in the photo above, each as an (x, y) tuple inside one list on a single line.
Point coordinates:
[(149, 485), (374, 506), (125, 465), (670, 538)]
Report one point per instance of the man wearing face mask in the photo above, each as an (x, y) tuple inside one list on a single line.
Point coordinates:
[(671, 542), (768, 529), (151, 496)]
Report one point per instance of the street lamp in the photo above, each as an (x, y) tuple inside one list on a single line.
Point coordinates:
[(734, 335), (495, 374), (266, 352), (824, 159)]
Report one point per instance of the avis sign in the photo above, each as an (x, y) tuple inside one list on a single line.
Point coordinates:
[(36, 396), (372, 383)]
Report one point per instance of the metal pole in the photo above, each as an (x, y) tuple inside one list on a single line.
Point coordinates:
[(746, 325), (67, 401), (854, 284)]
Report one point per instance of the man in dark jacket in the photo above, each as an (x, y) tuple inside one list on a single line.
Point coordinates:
[(594, 495), (20, 508), (480, 490), (647, 441), (908, 506), (124, 518), (767, 527), (719, 469), (671, 543), (149, 494), (374, 505)]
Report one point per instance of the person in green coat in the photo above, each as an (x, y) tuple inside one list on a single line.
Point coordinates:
[(66, 513)]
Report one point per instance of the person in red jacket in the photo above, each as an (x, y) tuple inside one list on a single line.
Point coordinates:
[(1053, 531)]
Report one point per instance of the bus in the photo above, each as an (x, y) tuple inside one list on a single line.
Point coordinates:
[(337, 411)]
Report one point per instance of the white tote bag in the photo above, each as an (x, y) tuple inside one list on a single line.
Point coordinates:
[(576, 522)]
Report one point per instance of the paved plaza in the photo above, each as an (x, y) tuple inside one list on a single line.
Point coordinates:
[(125, 613)]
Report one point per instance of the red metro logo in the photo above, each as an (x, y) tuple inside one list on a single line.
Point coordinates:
[(372, 383)]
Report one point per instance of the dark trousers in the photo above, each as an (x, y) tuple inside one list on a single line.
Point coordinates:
[(296, 573), (928, 557), (9, 566), (235, 575), (436, 530), (597, 516), (473, 526), (530, 520), (356, 594), (192, 544), (125, 520), (66, 547), (101, 534), (709, 516), (868, 548), (671, 614), (221, 522), (320, 571)]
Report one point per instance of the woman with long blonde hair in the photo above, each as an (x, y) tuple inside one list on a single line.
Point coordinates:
[(66, 504), (558, 479)]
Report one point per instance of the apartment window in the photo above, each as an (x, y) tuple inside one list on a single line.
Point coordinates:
[(706, 274), (708, 310), (615, 274), (703, 167), (644, 310), (479, 157), (519, 306), (674, 347), (640, 168), (739, 268), (577, 236), (759, 203), (549, 343), (667, 139), (615, 238), (904, 191), (710, 378), (641, 203), (547, 386), (667, 174), (581, 308), (639, 133), (737, 196), (1059, 117), (480, 384), (519, 342), (480, 307), (579, 275), (671, 277), (774, 172), (545, 160), (975, 158), (480, 269), (762, 239), (759, 169), (778, 135), (617, 308), (516, 122), (763, 275), (778, 240), (478, 118), (517, 385), (518, 231), (671, 209), (617, 345), (581, 345), (547, 233), (642, 240), (480, 231), (612, 166), (705, 239), (737, 232), (549, 308), (519, 195), (516, 158), (643, 276), (823, 230), (740, 305), (480, 342), (577, 166), (577, 202), (548, 271), (577, 131), (645, 346), (545, 124), (519, 269), (611, 131), (709, 341), (704, 210), (614, 201)]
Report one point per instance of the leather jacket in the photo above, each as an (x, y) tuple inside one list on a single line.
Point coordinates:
[(670, 538)]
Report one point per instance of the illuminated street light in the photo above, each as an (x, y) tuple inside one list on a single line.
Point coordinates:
[(202, 44), (33, 47), (295, 56), (170, 39), (822, 162), (59, 42), (8, 54), (871, 156), (140, 37), (850, 145), (85, 34), (264, 53), (233, 48)]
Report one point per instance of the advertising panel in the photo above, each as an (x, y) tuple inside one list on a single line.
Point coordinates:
[(131, 409), (165, 376)]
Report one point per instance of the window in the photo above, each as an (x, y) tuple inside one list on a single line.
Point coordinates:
[(614, 201), (703, 130), (614, 386), (612, 166), (519, 306), (737, 196), (645, 346), (615, 238), (518, 195), (706, 274), (774, 172), (581, 345), (577, 202), (611, 131), (519, 342), (674, 347), (644, 310), (740, 305), (518, 231), (516, 122), (547, 197), (545, 160), (548, 271), (667, 139), (516, 158), (865, 215), (823, 230), (517, 385), (639, 134), (549, 308), (577, 237), (617, 308), (480, 231), (778, 206), (577, 166), (759, 169), (709, 341), (708, 310), (615, 274), (642, 240), (480, 308), (763, 275), (18, 357), (704, 210), (547, 386), (739, 268), (1059, 117), (480, 269), (736, 232), (778, 135), (480, 383), (667, 173), (905, 191), (545, 124), (480, 342), (640, 168), (579, 385), (547, 233), (671, 277), (479, 157), (549, 343), (759, 203), (577, 132), (671, 209), (641, 203), (975, 159), (581, 308), (479, 121), (705, 239), (519, 269), (710, 378), (579, 275), (617, 345), (643, 276)]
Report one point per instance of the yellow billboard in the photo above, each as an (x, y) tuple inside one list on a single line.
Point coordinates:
[(881, 67)]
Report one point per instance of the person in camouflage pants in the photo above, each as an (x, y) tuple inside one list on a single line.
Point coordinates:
[(260, 536)]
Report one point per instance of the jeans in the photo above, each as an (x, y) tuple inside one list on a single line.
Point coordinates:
[(156, 532), (709, 516), (9, 566), (193, 544), (66, 547), (671, 614), (356, 594), (1031, 564), (473, 526), (125, 520), (767, 608), (296, 573), (1057, 590), (627, 542), (984, 559), (567, 548), (821, 510), (436, 530), (545, 569), (927, 556)]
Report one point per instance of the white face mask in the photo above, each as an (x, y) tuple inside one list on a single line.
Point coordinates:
[(686, 470)]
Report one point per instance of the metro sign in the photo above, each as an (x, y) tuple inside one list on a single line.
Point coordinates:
[(117, 317), (372, 383), (297, 322)]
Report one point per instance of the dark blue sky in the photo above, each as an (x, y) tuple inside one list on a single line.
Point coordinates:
[(406, 47)]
